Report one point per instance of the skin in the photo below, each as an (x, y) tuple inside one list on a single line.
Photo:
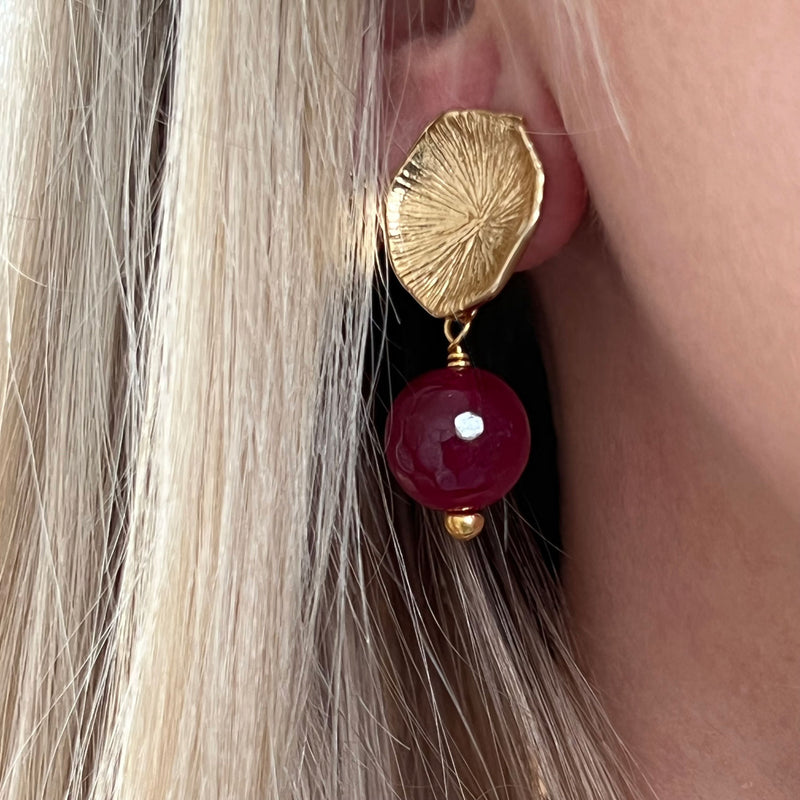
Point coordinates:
[(671, 332)]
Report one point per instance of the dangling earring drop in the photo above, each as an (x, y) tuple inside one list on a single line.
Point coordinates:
[(458, 215)]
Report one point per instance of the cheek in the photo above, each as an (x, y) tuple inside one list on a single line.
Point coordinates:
[(695, 203)]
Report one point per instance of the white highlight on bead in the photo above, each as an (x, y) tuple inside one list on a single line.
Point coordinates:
[(469, 426)]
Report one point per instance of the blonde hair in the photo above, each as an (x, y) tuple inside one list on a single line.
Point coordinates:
[(204, 589)]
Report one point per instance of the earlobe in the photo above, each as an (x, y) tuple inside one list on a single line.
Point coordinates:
[(433, 72), (466, 67)]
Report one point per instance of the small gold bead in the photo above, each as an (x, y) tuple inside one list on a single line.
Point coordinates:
[(463, 525)]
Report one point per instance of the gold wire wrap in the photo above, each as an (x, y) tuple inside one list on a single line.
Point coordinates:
[(465, 321), (456, 356)]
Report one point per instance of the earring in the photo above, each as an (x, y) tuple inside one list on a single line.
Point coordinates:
[(458, 215)]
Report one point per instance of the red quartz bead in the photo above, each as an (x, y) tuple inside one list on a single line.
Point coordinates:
[(457, 439)]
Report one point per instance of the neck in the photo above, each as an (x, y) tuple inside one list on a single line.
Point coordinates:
[(681, 568)]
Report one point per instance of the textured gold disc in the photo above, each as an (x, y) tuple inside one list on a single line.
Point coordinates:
[(461, 209)]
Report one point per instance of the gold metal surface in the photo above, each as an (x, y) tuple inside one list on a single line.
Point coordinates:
[(463, 525), (457, 358), (461, 209), (465, 321)]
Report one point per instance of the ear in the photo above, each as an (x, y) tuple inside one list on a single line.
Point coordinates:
[(440, 56)]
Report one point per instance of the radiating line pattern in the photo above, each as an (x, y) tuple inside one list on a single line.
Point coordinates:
[(461, 209)]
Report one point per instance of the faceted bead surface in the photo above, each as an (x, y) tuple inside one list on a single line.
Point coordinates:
[(457, 439)]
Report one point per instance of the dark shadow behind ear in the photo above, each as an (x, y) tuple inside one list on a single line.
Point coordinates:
[(406, 342)]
